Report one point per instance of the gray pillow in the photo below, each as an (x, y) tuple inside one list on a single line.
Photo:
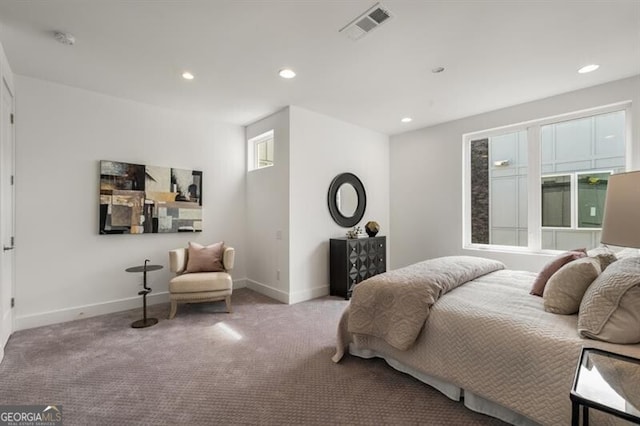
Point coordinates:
[(605, 259), (610, 307), (564, 290)]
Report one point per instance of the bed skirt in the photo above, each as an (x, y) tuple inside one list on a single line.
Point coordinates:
[(471, 401)]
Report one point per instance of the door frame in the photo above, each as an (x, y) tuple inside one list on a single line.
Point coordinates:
[(11, 185)]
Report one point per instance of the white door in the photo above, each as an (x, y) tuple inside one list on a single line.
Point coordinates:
[(6, 214)]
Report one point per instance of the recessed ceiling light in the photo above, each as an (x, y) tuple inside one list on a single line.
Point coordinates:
[(287, 73), (407, 120), (437, 70), (588, 68), (187, 75)]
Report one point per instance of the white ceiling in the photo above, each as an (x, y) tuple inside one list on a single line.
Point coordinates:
[(496, 54)]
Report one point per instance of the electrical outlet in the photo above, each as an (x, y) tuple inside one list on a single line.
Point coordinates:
[(278, 275), (278, 235), (593, 211)]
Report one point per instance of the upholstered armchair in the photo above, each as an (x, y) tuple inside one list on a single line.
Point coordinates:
[(196, 287)]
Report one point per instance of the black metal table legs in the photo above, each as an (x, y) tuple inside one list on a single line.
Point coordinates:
[(144, 322)]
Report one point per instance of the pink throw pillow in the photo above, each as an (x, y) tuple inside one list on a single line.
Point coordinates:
[(205, 258), (552, 267)]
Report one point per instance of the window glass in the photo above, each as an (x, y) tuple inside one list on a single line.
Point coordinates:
[(556, 201), (480, 191), (592, 190), (585, 151), (499, 190), (260, 151), (264, 153), (609, 134), (577, 155)]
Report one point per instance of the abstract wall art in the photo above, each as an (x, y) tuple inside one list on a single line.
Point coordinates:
[(139, 199)]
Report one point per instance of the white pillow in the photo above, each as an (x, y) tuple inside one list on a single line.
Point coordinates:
[(600, 250), (628, 252)]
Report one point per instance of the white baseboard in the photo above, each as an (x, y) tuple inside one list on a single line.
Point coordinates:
[(312, 293), (239, 283), (95, 309), (274, 293), (86, 311), (283, 296)]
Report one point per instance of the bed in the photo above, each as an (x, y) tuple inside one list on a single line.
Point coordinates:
[(489, 342)]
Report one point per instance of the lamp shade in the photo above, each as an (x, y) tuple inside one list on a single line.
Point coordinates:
[(621, 222)]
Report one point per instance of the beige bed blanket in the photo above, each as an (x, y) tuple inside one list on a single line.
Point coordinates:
[(395, 305), (491, 337)]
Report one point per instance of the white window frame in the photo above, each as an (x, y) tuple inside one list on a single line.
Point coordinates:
[(253, 162), (574, 177), (534, 200)]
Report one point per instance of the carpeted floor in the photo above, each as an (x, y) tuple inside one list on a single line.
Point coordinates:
[(266, 363)]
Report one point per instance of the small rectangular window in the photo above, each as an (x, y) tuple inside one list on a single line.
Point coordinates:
[(261, 150), (556, 201), (592, 190)]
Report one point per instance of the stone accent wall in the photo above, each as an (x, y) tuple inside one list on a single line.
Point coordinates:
[(480, 191)]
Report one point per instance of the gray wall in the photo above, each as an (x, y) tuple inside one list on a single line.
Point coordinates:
[(426, 174), (64, 269), (288, 221)]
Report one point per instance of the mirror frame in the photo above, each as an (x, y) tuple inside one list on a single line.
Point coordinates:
[(336, 183)]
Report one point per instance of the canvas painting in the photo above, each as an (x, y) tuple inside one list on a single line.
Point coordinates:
[(139, 199)]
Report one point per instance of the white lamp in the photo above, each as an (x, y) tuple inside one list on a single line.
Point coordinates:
[(621, 222)]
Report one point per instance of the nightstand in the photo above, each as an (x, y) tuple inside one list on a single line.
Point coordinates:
[(607, 382)]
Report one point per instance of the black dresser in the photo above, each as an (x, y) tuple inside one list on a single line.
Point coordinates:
[(354, 260)]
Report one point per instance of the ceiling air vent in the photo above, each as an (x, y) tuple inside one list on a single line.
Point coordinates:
[(367, 22)]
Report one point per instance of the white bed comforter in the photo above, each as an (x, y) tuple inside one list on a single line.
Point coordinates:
[(395, 305), (491, 337)]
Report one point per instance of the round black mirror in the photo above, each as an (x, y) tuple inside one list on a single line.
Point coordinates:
[(347, 200)]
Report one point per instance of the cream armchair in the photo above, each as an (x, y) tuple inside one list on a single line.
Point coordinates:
[(199, 287)]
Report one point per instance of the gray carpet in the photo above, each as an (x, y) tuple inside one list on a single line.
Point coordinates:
[(266, 363)]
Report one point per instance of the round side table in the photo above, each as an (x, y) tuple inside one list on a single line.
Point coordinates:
[(144, 322)]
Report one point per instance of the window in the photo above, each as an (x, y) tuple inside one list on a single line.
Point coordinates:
[(542, 184), (592, 189), (556, 201), (260, 151), (558, 192), (499, 189)]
